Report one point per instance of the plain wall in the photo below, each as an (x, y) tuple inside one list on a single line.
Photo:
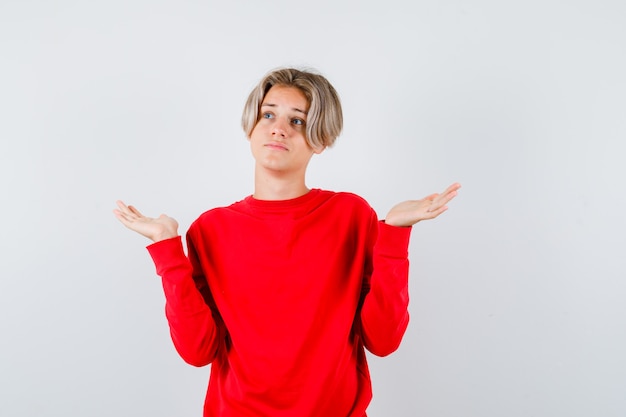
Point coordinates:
[(517, 293)]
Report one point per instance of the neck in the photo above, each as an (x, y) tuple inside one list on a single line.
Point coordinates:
[(273, 186)]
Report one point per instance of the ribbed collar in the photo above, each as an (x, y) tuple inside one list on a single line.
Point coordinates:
[(296, 206)]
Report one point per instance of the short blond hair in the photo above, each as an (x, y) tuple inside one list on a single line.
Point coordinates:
[(324, 118)]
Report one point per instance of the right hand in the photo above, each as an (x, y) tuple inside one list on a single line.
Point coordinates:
[(155, 229)]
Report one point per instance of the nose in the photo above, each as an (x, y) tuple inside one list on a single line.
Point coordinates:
[(279, 128)]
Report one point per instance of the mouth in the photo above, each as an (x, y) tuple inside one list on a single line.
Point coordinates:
[(277, 146)]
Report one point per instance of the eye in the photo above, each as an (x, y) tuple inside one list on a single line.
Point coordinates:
[(297, 122), (267, 115)]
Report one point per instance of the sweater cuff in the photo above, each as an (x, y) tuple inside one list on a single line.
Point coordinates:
[(393, 241), (167, 254)]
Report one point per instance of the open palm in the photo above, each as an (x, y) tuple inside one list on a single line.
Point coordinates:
[(410, 212), (156, 229)]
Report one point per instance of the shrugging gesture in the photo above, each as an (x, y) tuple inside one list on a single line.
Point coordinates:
[(288, 286), (410, 212)]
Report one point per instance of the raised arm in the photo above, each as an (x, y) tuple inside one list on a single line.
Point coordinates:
[(384, 313), (193, 327)]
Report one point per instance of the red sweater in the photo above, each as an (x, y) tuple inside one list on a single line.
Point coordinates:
[(281, 297)]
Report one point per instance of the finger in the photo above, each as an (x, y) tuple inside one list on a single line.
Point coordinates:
[(121, 205), (440, 201), (437, 212), (130, 213), (452, 188), (125, 218), (448, 194), (122, 217), (135, 211), (445, 198), (117, 213)]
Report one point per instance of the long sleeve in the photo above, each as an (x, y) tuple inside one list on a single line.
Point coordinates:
[(282, 298), (193, 329), (384, 314)]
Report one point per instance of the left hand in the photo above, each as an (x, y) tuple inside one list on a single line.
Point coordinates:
[(410, 212)]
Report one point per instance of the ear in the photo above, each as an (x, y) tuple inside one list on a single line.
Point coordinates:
[(318, 150)]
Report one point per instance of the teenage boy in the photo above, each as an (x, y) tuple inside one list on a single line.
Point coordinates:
[(282, 292)]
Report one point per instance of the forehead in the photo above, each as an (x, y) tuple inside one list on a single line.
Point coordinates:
[(287, 96)]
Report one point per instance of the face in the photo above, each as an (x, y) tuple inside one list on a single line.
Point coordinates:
[(278, 140)]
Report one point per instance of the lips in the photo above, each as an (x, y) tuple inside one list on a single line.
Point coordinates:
[(276, 145)]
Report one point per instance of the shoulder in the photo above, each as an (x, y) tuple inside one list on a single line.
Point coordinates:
[(350, 205), (214, 216), (348, 199)]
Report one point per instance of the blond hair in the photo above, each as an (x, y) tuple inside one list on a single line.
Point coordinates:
[(324, 118)]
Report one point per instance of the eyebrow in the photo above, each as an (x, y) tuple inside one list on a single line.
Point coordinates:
[(293, 108)]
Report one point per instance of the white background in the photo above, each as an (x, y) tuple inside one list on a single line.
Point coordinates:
[(517, 292)]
